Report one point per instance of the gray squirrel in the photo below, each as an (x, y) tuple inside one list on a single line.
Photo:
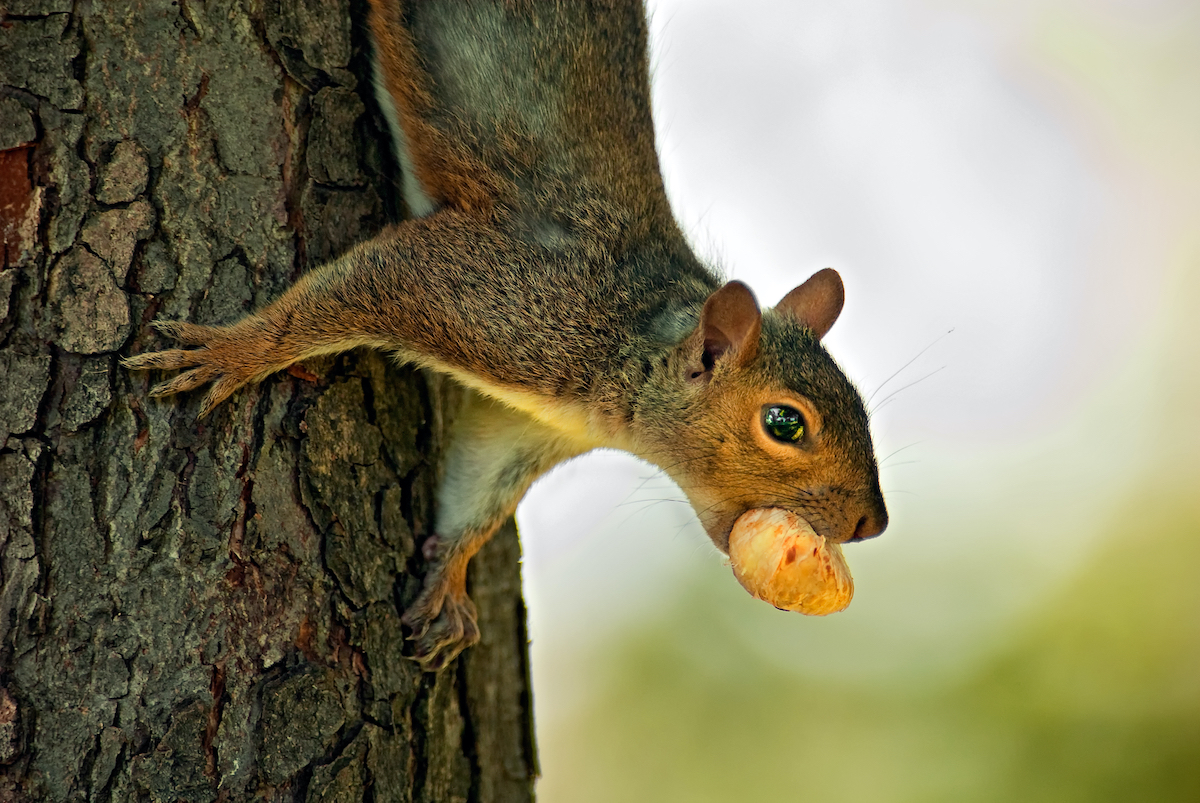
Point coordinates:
[(544, 270)]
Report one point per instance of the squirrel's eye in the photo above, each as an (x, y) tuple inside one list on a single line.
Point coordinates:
[(784, 424)]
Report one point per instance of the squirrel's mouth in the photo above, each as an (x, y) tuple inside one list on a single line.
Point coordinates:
[(719, 525)]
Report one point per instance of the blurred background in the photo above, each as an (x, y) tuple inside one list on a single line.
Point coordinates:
[(1011, 192)]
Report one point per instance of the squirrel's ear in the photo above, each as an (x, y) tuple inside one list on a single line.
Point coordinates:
[(816, 303), (730, 323)]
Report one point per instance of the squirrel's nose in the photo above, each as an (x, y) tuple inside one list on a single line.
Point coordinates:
[(872, 523)]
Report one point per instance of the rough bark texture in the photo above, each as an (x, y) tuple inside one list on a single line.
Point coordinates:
[(199, 611)]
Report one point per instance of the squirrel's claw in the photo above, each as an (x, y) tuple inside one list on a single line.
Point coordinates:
[(446, 635), (442, 621)]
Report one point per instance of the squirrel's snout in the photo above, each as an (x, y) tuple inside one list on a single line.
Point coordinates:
[(871, 524)]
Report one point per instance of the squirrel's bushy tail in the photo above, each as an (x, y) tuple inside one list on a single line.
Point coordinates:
[(504, 100), (437, 169)]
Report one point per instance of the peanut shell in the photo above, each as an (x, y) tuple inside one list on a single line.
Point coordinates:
[(778, 558)]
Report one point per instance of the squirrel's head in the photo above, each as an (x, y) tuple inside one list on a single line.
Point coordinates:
[(750, 411)]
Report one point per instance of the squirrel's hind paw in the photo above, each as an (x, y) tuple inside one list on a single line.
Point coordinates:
[(438, 638)]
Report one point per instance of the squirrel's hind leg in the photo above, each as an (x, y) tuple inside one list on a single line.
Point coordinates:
[(495, 454)]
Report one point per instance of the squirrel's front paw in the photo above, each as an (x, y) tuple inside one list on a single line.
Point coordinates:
[(442, 620), (218, 358)]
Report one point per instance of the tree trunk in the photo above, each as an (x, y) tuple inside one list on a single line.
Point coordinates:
[(209, 610)]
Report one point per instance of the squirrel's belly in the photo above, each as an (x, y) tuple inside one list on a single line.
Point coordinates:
[(585, 427)]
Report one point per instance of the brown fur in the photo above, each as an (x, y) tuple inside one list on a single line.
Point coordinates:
[(553, 278)]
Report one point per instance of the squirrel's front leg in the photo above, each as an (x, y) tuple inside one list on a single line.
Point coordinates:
[(323, 313), (495, 454)]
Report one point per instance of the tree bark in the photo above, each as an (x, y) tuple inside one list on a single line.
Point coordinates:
[(209, 610)]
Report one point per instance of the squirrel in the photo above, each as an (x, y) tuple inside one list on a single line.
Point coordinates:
[(543, 269)]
